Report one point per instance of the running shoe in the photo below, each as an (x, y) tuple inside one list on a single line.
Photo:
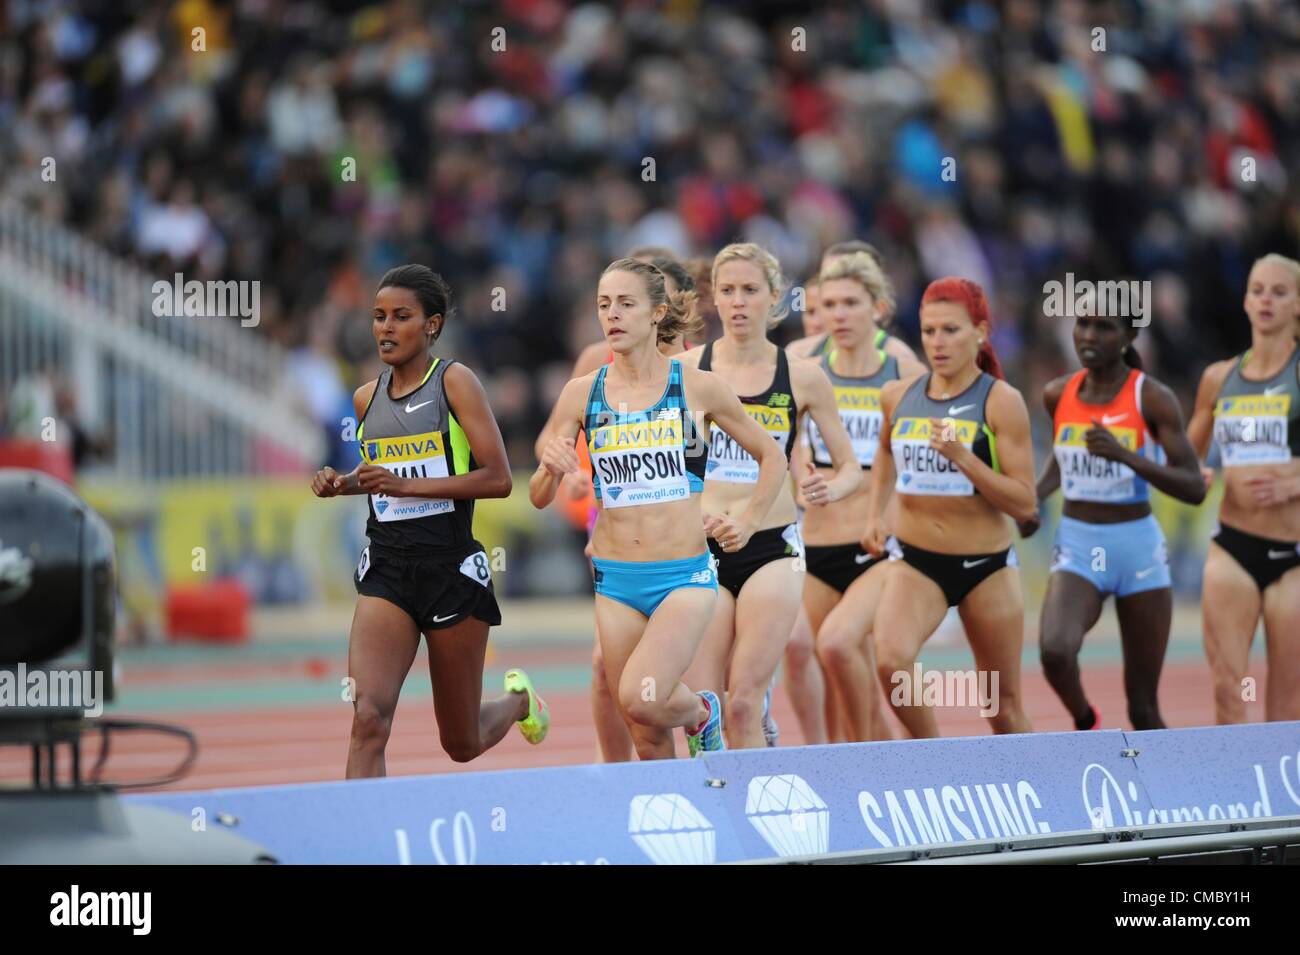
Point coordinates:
[(1096, 721), (708, 737), (538, 720), (771, 732)]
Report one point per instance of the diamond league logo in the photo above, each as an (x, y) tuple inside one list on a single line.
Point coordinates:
[(787, 812), (671, 831)]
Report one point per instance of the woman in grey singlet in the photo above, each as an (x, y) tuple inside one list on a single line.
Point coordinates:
[(959, 456), (1250, 406), (430, 447)]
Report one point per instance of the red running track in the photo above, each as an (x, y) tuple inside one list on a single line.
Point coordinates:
[(288, 745)]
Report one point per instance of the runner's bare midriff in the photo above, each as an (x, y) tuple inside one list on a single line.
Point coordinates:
[(952, 525), (842, 522), (1279, 522), (669, 531)]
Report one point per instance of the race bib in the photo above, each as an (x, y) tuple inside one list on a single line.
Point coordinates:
[(729, 462), (1252, 429), (793, 539), (921, 468), (476, 568), (860, 412), (1086, 477), (410, 456), (642, 463)]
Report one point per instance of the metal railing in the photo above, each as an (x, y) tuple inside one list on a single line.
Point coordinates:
[(1271, 840), (179, 396)]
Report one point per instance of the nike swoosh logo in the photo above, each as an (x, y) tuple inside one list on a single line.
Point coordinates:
[(1274, 555), (448, 617), (1108, 420), (409, 409), (956, 410), (1145, 573), (1275, 390), (861, 558), (968, 564)]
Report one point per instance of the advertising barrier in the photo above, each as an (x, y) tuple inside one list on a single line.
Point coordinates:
[(757, 804)]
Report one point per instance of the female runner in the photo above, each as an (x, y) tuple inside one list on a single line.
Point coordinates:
[(655, 584), (1110, 422), (431, 447), (960, 454), (843, 583), (612, 736), (761, 582), (1250, 405)]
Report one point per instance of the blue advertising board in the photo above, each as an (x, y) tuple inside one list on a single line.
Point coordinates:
[(758, 804)]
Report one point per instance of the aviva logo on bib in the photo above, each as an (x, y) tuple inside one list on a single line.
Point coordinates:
[(771, 419), (649, 434), (857, 399), (412, 447), (918, 429), (1255, 405), (1076, 435)]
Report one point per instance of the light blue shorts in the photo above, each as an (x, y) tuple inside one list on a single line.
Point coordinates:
[(643, 585), (1120, 559)]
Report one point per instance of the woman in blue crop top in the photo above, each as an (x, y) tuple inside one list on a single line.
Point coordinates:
[(655, 581)]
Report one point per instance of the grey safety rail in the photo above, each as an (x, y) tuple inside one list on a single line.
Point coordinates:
[(1272, 841)]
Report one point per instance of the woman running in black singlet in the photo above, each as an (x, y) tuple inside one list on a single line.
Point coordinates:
[(430, 448), (758, 599)]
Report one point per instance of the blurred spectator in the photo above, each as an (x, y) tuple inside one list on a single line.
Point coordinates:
[(311, 148)]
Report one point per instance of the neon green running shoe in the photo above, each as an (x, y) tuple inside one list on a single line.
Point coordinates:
[(538, 721)]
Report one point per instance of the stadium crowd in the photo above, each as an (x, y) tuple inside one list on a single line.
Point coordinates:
[(509, 146)]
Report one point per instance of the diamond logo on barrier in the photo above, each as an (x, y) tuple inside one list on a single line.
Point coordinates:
[(670, 830), (789, 815)]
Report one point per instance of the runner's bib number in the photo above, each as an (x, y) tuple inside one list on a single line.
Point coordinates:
[(476, 568), (862, 418), (410, 456), (923, 469), (1252, 429), (642, 463), (1086, 477), (731, 463)]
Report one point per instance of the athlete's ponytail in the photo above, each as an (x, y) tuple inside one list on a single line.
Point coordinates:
[(969, 296), (682, 317)]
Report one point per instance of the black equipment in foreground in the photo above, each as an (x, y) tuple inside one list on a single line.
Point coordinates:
[(57, 615)]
